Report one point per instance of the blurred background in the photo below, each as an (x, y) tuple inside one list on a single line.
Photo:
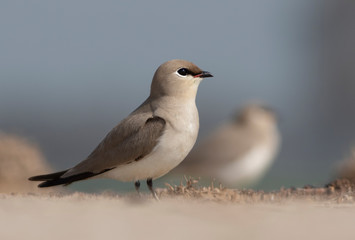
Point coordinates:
[(71, 70)]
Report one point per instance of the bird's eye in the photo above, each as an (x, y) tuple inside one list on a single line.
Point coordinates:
[(183, 71)]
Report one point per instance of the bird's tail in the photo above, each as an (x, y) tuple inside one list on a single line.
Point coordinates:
[(54, 179), (47, 177)]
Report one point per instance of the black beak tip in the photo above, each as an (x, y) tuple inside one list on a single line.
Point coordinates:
[(206, 74)]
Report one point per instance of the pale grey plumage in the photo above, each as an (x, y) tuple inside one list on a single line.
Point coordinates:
[(131, 140), (138, 147), (237, 152)]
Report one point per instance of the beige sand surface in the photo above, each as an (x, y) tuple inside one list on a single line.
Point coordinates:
[(105, 216)]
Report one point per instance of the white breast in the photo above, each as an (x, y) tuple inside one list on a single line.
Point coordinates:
[(250, 167), (173, 146)]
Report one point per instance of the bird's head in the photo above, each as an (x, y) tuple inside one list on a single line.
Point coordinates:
[(178, 78)]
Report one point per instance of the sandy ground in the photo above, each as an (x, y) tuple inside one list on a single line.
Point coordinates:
[(185, 211), (199, 213)]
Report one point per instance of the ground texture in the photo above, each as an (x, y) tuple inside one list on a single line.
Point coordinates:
[(186, 211)]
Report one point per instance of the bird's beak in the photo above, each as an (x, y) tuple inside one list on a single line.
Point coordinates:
[(204, 74)]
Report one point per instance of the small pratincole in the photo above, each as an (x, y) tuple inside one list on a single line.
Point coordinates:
[(240, 151), (152, 140)]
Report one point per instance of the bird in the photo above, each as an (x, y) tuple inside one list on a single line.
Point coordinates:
[(239, 151), (152, 140)]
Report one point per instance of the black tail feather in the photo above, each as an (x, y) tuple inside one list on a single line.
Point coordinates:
[(47, 177), (67, 180), (55, 179)]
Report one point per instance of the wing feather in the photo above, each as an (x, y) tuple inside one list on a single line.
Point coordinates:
[(131, 140)]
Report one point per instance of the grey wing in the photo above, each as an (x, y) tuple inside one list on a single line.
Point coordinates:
[(134, 138)]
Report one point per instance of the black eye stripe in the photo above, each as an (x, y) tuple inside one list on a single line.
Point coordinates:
[(183, 71)]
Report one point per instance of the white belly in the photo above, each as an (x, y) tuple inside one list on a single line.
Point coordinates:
[(249, 168), (172, 148), (182, 126)]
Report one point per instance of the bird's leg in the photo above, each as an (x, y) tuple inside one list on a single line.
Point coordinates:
[(150, 186), (137, 185)]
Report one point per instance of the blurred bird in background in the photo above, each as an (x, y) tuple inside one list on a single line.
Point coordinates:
[(19, 158), (239, 152), (346, 168)]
